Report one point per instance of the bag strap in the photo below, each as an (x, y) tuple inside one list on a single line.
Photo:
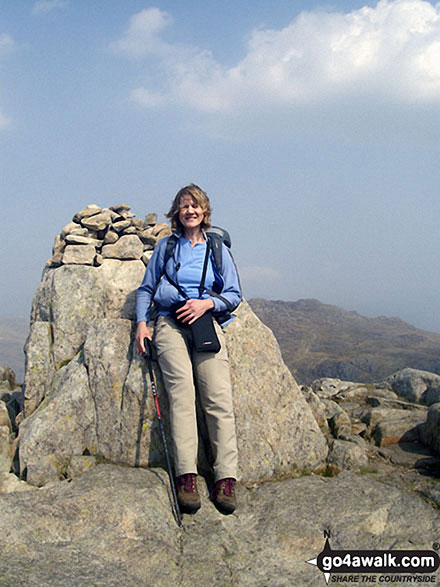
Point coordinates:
[(203, 278), (205, 268), (176, 285), (227, 303)]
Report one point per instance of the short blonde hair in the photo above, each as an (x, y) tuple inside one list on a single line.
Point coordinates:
[(200, 197)]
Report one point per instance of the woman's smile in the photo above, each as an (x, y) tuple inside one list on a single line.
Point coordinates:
[(191, 213)]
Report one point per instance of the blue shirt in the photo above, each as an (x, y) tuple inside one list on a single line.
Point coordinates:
[(190, 267), (185, 268)]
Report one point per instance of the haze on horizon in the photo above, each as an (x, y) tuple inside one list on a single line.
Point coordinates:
[(314, 127)]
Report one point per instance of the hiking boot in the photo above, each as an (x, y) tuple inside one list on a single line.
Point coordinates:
[(223, 495), (187, 494)]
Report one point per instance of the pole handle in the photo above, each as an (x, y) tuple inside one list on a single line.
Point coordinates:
[(148, 348)]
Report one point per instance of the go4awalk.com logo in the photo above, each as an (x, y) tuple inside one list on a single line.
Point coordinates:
[(381, 567)]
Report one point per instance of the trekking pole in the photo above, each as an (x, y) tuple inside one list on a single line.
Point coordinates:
[(148, 358)]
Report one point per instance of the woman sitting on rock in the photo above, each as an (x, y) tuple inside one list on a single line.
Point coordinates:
[(179, 291)]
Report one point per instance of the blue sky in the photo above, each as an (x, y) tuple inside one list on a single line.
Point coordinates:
[(313, 126)]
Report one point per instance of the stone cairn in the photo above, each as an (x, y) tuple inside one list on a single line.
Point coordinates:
[(98, 233)]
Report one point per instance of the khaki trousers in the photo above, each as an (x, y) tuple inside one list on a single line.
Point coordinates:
[(182, 370)]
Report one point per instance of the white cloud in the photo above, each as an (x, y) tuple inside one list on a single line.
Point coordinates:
[(45, 6), (142, 34), (147, 98), (7, 43), (389, 53)]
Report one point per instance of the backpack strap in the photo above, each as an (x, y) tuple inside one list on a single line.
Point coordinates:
[(202, 280), (216, 244), (169, 250), (216, 238)]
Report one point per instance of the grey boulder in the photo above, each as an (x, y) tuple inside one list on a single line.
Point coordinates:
[(86, 391), (113, 526), (430, 431), (416, 386)]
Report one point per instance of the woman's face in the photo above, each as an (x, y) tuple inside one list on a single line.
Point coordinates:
[(190, 212)]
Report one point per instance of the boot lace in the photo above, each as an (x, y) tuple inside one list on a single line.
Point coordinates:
[(228, 489), (188, 482)]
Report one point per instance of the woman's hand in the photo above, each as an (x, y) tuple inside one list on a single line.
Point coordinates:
[(193, 309), (142, 332)]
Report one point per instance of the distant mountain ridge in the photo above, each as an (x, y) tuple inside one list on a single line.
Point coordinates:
[(316, 340), (321, 340)]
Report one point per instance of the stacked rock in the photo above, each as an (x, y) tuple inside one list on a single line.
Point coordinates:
[(106, 233)]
